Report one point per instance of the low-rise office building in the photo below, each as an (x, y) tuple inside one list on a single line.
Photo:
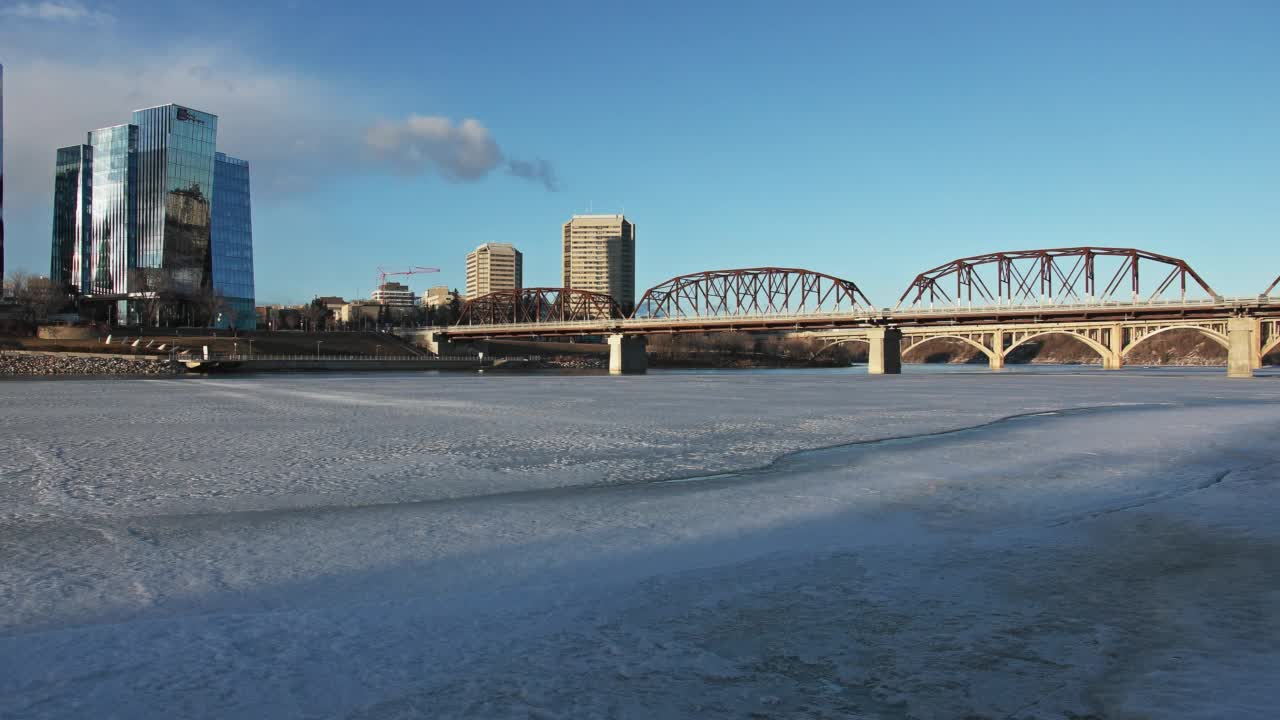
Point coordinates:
[(394, 294)]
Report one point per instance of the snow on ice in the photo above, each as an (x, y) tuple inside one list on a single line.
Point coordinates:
[(1050, 545)]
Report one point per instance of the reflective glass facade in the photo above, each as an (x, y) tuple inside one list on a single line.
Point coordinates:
[(113, 230), (138, 206), (72, 216), (232, 245), (175, 191)]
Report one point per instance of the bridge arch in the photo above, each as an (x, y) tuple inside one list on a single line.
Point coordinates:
[(841, 341), (1269, 348), (1212, 335), (750, 291), (918, 341), (1053, 276), (1104, 352), (538, 305)]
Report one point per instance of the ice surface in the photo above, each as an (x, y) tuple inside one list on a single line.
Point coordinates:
[(1031, 546)]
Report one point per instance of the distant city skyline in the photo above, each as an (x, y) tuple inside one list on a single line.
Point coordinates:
[(867, 142)]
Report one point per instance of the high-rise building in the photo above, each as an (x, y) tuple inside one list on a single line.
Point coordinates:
[(231, 237), (493, 267), (394, 294), (72, 204), (151, 207), (599, 255), (1, 180)]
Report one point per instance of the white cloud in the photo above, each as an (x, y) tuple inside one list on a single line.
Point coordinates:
[(295, 130), (462, 152), (55, 12), (423, 143), (290, 129)]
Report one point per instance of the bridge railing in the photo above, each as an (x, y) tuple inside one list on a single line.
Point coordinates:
[(607, 324), (1108, 304), (234, 357)]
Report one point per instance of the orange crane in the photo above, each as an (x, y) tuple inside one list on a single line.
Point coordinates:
[(383, 273)]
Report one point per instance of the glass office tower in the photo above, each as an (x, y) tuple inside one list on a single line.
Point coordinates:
[(175, 191), (72, 203), (232, 234), (150, 208), (114, 203)]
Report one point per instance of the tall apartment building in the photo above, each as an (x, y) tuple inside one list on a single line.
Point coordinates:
[(493, 267), (152, 205), (599, 254)]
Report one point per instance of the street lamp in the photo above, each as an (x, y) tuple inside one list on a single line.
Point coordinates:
[(250, 347), (318, 348)]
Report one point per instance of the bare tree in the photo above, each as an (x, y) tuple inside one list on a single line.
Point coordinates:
[(38, 297), (316, 314)]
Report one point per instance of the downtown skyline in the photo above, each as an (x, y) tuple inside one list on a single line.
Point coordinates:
[(869, 144)]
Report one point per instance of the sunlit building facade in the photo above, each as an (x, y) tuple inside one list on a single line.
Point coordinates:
[(114, 210), (394, 294), (599, 255), (492, 267), (166, 213)]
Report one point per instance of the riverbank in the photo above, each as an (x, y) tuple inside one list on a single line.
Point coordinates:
[(44, 364)]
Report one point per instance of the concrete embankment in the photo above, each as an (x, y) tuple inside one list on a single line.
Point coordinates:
[(36, 363), (322, 364)]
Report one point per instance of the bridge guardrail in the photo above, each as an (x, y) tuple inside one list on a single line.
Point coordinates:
[(231, 357), (607, 324)]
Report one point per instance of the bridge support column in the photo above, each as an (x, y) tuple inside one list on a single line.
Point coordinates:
[(996, 358), (1114, 359), (1256, 343), (885, 354), (627, 354), (437, 342), (1241, 342)]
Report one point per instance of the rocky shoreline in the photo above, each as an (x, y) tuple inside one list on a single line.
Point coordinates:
[(50, 364)]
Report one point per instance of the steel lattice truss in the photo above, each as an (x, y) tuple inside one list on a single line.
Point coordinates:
[(750, 291), (1271, 288), (537, 305), (1060, 276)]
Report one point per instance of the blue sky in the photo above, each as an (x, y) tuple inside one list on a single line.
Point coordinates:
[(867, 140)]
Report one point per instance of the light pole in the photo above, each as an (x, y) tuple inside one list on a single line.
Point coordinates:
[(318, 348), (250, 347)]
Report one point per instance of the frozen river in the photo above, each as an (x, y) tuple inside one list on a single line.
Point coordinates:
[(1020, 545)]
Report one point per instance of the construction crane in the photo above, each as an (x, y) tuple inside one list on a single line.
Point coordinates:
[(383, 273)]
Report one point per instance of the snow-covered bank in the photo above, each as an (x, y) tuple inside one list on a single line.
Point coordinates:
[(1118, 561)]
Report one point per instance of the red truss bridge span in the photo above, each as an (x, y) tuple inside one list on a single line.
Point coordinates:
[(1110, 298)]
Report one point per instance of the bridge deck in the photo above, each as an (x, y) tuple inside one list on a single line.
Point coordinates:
[(1085, 312)]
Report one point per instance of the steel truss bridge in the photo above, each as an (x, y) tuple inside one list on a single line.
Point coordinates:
[(1111, 299)]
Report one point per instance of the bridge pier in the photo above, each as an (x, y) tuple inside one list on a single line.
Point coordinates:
[(1256, 343), (436, 342), (1241, 347), (884, 357), (1114, 360), (996, 360), (627, 354)]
